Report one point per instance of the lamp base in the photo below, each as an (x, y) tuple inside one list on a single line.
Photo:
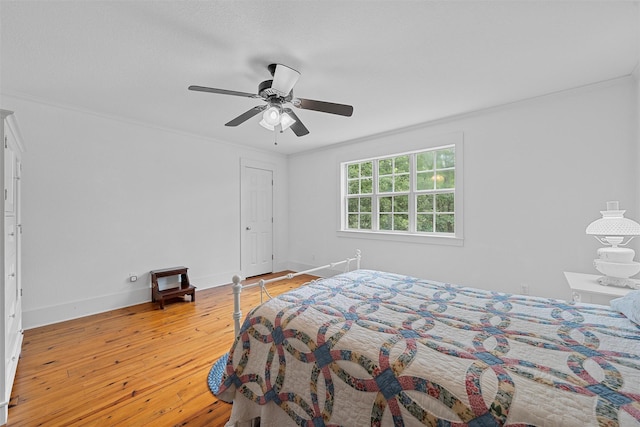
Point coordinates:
[(619, 282)]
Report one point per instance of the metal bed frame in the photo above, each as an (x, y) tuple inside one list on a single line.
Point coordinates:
[(238, 287)]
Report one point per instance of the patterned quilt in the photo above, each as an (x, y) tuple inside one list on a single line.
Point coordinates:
[(374, 348)]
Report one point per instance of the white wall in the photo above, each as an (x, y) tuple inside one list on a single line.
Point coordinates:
[(636, 75), (104, 198), (536, 174)]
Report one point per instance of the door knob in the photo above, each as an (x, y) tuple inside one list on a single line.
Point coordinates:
[(248, 228)]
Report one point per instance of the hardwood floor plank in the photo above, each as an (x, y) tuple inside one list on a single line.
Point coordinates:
[(133, 366)]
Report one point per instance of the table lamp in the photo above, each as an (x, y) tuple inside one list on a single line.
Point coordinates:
[(614, 261)]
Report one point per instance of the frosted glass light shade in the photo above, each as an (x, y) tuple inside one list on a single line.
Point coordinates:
[(286, 121), (266, 125), (613, 223), (271, 116)]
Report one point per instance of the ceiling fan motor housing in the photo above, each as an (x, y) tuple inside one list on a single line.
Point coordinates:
[(271, 95), (265, 91)]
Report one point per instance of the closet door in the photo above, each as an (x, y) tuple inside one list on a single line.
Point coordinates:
[(11, 306), (11, 299)]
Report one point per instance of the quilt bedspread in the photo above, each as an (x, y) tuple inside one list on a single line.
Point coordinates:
[(375, 348)]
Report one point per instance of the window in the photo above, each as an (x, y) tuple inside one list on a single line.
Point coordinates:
[(408, 194)]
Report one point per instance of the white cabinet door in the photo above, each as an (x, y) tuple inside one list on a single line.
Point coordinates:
[(12, 310), (11, 305), (9, 175), (10, 264)]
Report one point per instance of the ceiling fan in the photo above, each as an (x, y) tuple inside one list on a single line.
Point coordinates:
[(278, 93)]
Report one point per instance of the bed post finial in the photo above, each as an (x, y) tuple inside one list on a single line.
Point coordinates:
[(237, 313), (358, 256)]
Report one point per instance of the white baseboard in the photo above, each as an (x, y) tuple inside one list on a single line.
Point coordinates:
[(74, 309)]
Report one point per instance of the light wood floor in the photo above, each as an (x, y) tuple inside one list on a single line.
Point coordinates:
[(131, 367)]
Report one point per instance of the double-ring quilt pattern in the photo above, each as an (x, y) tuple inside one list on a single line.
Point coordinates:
[(375, 348)]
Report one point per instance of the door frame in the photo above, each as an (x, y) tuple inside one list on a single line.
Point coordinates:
[(256, 164)]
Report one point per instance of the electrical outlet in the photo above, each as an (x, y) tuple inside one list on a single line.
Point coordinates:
[(524, 289), (133, 277)]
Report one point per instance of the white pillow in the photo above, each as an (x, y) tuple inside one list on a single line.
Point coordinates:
[(629, 305)]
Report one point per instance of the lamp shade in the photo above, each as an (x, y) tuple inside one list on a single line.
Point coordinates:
[(613, 223)]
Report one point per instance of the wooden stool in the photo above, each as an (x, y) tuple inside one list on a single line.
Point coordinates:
[(185, 287)]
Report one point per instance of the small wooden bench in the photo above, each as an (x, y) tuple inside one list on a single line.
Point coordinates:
[(185, 287)]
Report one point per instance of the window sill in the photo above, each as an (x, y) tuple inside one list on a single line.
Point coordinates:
[(405, 238)]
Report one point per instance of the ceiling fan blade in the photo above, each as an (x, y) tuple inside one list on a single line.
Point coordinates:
[(298, 128), (246, 115), (223, 91), (284, 78), (323, 106)]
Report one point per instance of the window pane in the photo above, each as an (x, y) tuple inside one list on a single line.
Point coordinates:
[(446, 179), (353, 220), (446, 158), (385, 167), (413, 193), (354, 171), (444, 202), (402, 183), (424, 203), (401, 204), (366, 169), (401, 222), (386, 184), (402, 164), (365, 204), (385, 204), (353, 205), (385, 222), (424, 161), (366, 186), (444, 223), (425, 181), (365, 221), (425, 223), (354, 187)]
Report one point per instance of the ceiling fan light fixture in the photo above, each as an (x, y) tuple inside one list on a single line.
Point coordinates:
[(271, 116), (266, 125), (286, 121)]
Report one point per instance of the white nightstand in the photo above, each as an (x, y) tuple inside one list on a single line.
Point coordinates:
[(585, 288)]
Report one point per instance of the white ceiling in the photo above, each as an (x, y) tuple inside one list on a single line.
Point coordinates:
[(399, 63)]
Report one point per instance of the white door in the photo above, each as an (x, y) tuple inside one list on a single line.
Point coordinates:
[(256, 221)]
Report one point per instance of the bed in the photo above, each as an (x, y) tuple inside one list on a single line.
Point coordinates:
[(374, 348)]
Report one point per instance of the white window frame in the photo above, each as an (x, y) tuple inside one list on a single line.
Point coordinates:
[(451, 239)]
